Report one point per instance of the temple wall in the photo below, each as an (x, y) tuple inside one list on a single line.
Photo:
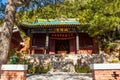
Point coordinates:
[(66, 62), (38, 40), (86, 44), (38, 43)]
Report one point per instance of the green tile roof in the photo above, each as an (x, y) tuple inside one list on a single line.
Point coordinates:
[(52, 22)]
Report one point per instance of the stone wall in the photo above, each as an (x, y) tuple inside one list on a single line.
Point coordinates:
[(66, 62)]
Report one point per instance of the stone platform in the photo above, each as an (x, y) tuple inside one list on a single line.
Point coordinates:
[(66, 62), (60, 76)]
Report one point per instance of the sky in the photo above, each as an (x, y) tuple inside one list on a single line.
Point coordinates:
[(42, 3), (1, 12), (4, 1)]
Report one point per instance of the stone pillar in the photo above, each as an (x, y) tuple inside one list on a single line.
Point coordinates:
[(47, 43), (32, 51), (77, 42), (13, 72), (104, 71)]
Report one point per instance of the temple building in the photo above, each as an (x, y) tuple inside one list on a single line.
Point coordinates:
[(16, 40), (63, 36)]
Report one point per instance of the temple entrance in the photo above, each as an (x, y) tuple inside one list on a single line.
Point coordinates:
[(62, 46)]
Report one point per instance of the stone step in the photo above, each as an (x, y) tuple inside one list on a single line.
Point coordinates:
[(61, 76)]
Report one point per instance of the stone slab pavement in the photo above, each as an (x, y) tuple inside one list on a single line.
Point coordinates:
[(60, 76)]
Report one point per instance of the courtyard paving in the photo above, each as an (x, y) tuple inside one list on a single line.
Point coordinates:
[(60, 76)]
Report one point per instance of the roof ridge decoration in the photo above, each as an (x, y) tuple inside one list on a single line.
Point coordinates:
[(57, 21), (52, 22)]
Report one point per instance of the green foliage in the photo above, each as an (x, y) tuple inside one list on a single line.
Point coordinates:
[(20, 59), (1, 22), (12, 60), (102, 16), (82, 69), (17, 58), (38, 69), (115, 61), (108, 45), (31, 70)]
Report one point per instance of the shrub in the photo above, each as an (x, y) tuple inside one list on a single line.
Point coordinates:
[(115, 60), (38, 69), (82, 69), (31, 70), (18, 58)]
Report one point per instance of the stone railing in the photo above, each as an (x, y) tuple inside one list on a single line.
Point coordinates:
[(13, 72), (106, 71)]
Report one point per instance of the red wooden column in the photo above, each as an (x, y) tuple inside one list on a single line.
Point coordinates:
[(95, 45), (52, 46), (72, 46), (31, 39)]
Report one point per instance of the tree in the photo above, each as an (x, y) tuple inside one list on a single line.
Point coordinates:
[(7, 28), (9, 19), (103, 16), (2, 7)]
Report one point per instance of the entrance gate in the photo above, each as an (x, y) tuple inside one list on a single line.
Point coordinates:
[(62, 46)]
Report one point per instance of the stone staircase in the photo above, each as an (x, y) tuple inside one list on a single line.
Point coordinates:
[(66, 62), (60, 63)]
